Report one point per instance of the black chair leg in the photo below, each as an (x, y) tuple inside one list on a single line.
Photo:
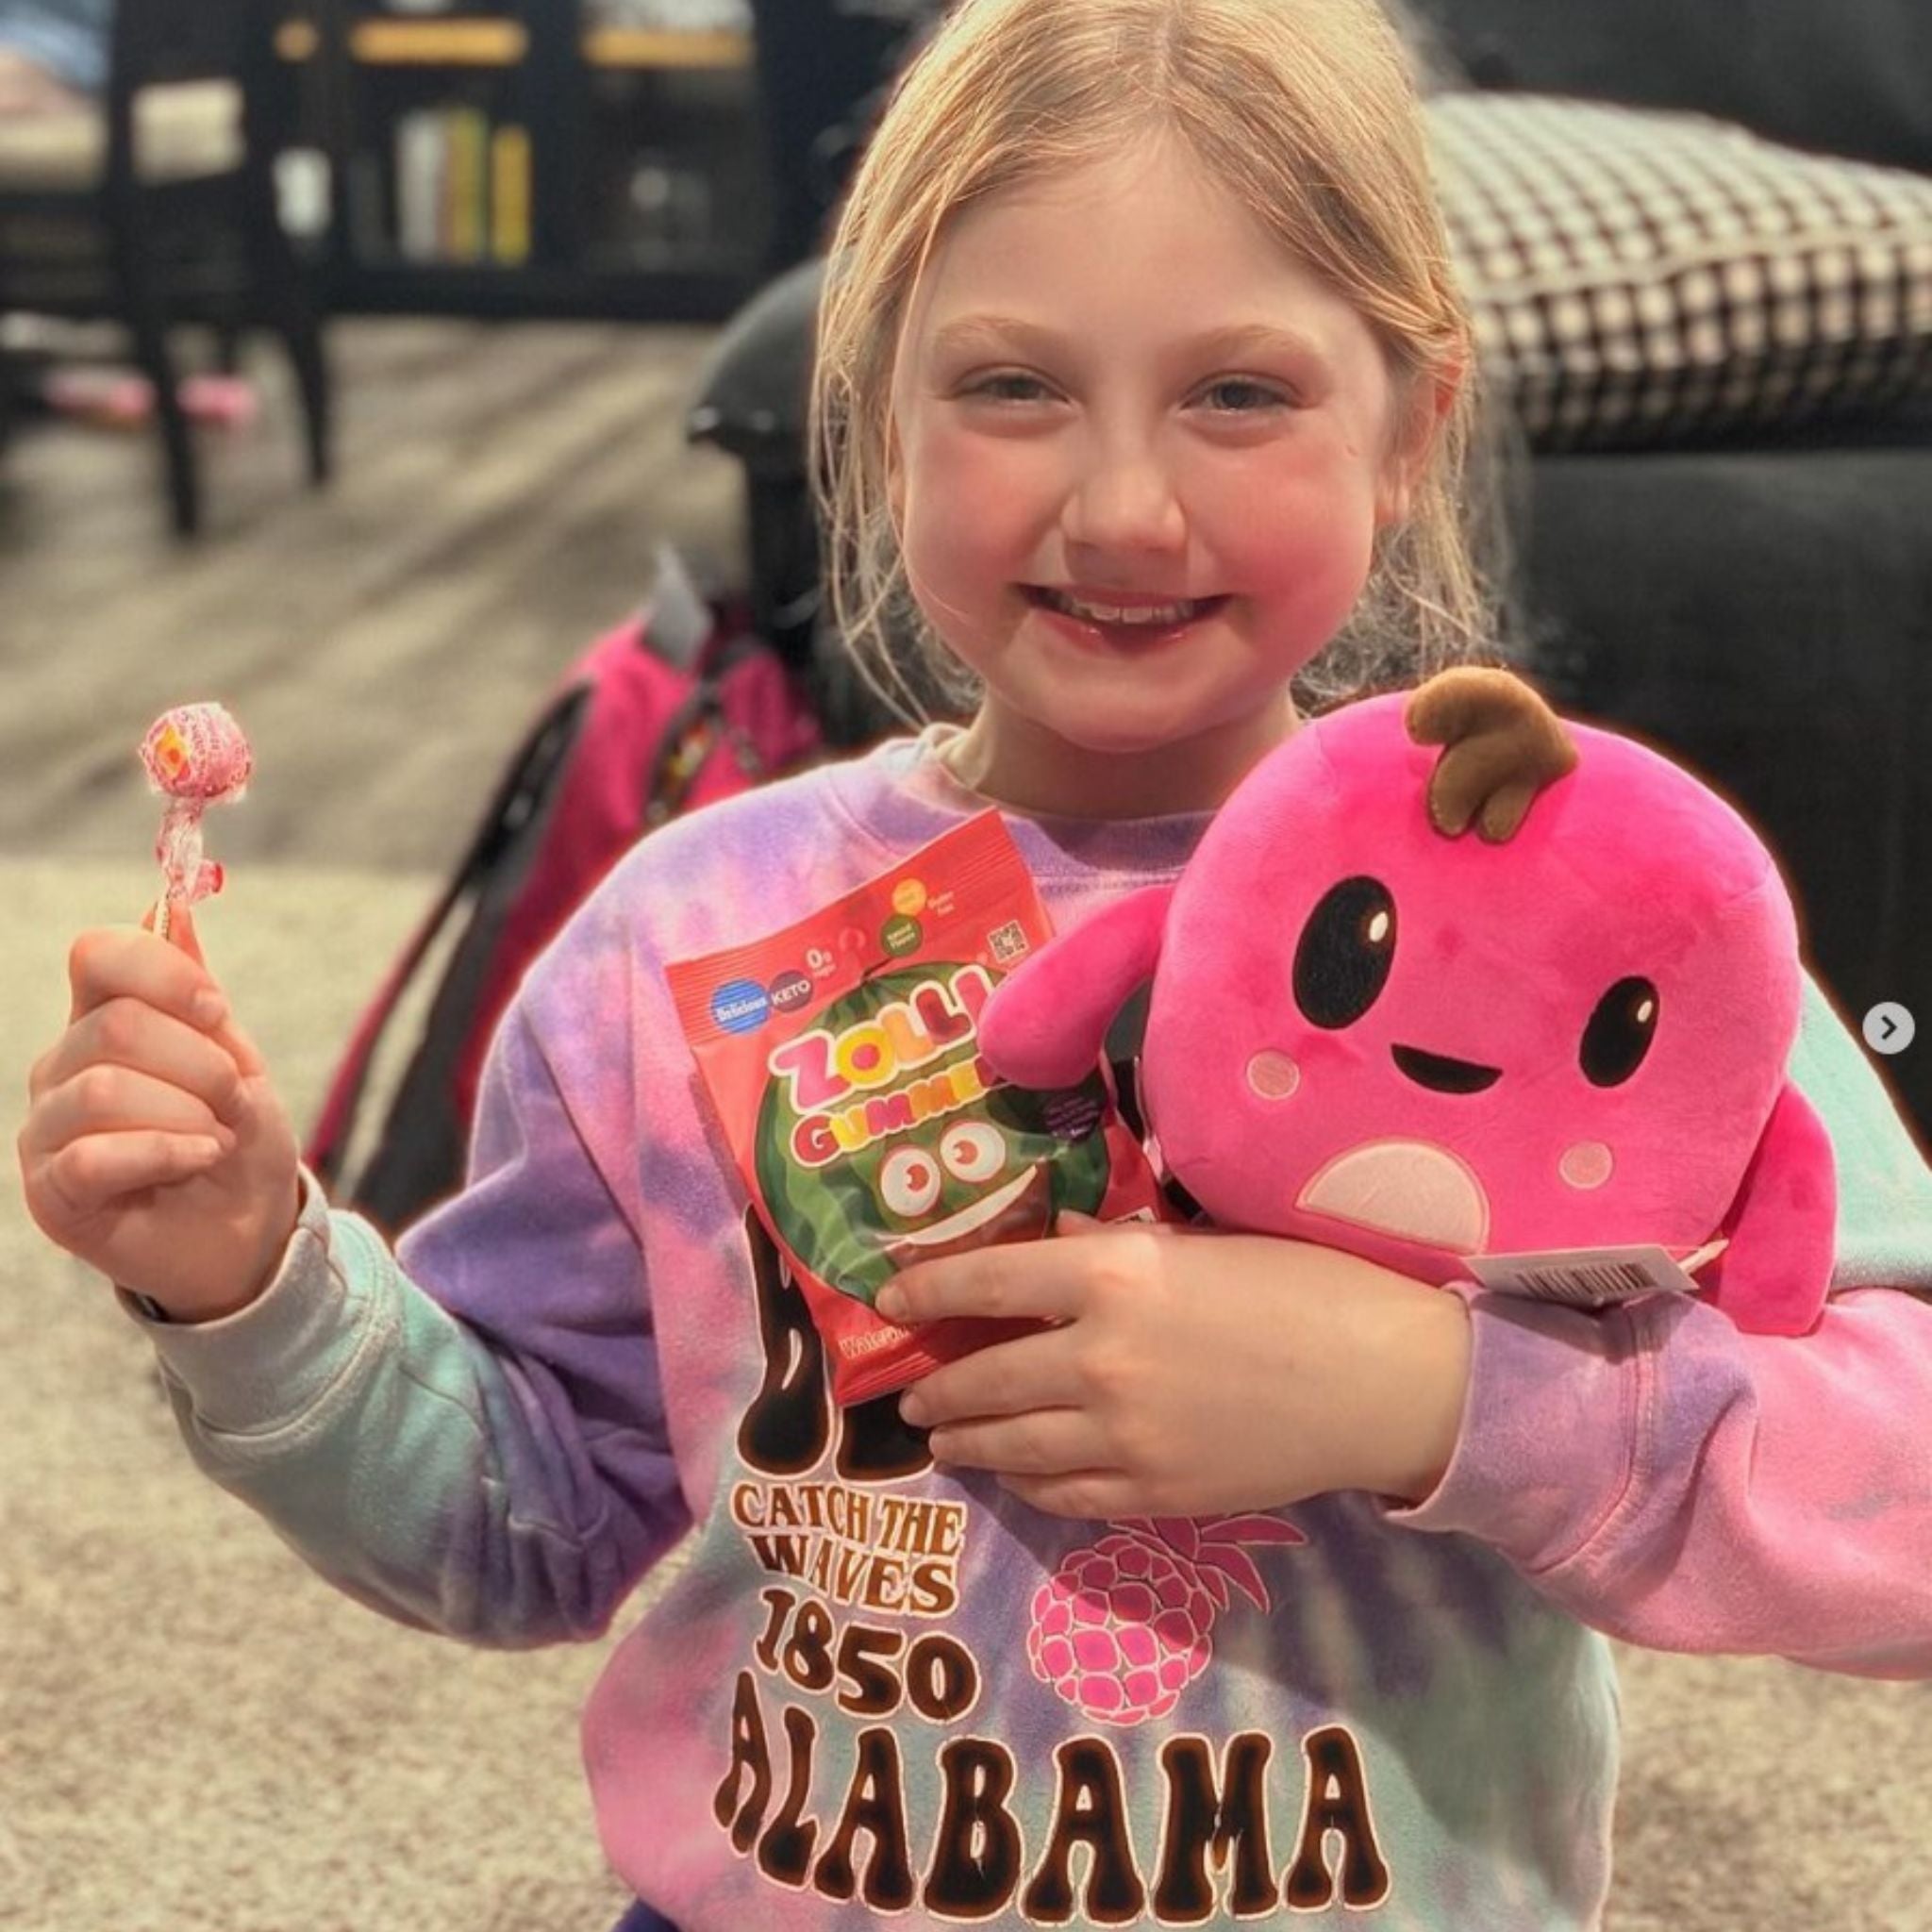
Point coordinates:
[(312, 374), (282, 292), (148, 320)]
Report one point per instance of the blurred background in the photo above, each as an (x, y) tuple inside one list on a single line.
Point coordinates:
[(359, 363)]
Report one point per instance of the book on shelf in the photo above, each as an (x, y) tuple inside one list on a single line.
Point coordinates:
[(465, 185), (462, 188), (669, 16), (509, 194)]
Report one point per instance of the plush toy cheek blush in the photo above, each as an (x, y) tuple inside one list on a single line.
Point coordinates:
[(1369, 1028), (1587, 1164), (1274, 1076)]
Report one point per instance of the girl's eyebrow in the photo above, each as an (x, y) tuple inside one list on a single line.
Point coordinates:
[(973, 332)]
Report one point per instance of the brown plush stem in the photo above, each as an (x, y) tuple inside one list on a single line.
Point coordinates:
[(1502, 744)]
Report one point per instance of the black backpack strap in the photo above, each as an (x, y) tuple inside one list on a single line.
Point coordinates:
[(517, 796), (408, 1171)]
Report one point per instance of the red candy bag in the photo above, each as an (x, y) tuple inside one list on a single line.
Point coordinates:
[(841, 1056)]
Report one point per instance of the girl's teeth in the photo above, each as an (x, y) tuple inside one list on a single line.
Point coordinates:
[(1112, 613)]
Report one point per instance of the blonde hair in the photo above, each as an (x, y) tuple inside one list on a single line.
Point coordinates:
[(1306, 110)]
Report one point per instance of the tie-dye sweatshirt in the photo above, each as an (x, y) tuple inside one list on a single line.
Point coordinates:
[(869, 1688)]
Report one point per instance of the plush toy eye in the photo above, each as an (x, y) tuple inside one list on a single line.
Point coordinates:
[(909, 1181), (1620, 1032), (1346, 950)]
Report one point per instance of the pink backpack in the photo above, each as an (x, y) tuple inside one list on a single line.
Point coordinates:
[(643, 725)]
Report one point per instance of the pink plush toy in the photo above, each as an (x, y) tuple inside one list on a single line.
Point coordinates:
[(1568, 1032)]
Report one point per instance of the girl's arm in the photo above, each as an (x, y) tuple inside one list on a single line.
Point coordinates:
[(505, 1478), (1655, 1472), (1684, 1486)]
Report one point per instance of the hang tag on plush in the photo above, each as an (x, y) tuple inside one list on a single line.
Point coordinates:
[(1592, 1277)]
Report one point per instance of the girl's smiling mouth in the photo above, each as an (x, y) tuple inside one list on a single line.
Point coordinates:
[(1140, 619)]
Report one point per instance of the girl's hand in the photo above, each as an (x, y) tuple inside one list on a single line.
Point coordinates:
[(154, 1148), (1190, 1373)]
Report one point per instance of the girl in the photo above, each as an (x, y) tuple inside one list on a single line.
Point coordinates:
[(1142, 381)]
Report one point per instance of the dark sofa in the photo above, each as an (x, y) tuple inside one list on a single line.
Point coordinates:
[(1764, 609), (1756, 597)]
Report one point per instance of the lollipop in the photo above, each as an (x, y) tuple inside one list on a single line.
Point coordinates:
[(196, 756)]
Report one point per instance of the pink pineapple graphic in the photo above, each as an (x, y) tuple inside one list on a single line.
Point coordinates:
[(1124, 1627)]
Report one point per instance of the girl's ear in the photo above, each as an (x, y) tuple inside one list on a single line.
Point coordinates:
[(1046, 1023), (1424, 409)]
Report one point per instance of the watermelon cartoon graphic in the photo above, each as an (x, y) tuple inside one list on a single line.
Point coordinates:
[(927, 1154)]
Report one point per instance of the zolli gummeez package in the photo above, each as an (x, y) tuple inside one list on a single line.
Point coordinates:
[(842, 1058)]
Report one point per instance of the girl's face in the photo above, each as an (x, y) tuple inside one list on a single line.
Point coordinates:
[(1140, 456)]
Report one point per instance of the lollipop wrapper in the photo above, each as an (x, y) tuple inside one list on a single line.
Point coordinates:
[(194, 755), (187, 876)]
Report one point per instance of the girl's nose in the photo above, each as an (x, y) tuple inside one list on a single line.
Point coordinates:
[(1124, 503)]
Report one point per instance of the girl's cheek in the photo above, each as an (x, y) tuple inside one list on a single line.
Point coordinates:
[(1269, 523), (982, 505), (1026, 471), (954, 463)]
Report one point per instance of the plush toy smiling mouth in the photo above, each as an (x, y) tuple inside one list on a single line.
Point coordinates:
[(1442, 1075), (1412, 1190)]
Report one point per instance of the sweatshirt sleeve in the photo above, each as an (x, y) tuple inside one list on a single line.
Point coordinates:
[(1680, 1485), (475, 1443)]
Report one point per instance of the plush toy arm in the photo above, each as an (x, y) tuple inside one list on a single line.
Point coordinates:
[(1783, 1227), (1047, 1020)]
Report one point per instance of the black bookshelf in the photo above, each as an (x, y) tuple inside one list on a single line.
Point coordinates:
[(518, 160)]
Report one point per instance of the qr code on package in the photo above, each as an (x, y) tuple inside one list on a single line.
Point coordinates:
[(1009, 943)]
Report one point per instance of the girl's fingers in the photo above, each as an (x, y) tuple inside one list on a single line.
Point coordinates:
[(89, 1175), (181, 934), (1030, 1372), (1025, 1280), (121, 962), (1093, 1495), (126, 1034), (241, 1049), (128, 962), (105, 1099), (1053, 1441)]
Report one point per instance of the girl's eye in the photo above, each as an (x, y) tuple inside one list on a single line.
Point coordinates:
[(973, 1150), (1003, 388), (1252, 396), (909, 1181)]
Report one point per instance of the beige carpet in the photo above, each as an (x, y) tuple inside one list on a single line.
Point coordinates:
[(197, 1736)]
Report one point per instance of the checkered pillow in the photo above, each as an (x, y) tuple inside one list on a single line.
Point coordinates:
[(1639, 277)]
